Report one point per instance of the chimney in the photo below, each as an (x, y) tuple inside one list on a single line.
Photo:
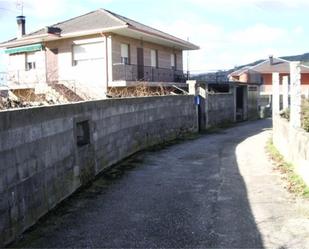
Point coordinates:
[(271, 60), (21, 24)]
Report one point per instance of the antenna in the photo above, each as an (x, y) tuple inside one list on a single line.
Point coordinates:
[(20, 6)]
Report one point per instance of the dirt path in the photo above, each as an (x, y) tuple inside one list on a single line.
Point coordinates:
[(218, 191)]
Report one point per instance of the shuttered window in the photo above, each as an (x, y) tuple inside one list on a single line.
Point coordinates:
[(30, 61), (90, 51), (173, 61), (125, 54), (154, 58)]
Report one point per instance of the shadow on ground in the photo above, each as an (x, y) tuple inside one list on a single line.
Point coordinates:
[(189, 194)]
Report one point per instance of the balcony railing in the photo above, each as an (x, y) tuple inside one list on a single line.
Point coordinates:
[(146, 73)]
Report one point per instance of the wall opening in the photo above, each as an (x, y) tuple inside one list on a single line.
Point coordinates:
[(82, 133), (239, 103)]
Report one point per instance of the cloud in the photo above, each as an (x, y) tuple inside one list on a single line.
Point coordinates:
[(223, 48), (228, 32), (299, 30), (258, 34), (48, 9), (265, 4), (281, 5)]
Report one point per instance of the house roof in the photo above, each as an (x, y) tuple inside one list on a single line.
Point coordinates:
[(239, 71), (100, 21), (280, 65)]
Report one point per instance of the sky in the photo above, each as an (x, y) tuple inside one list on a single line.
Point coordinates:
[(229, 32)]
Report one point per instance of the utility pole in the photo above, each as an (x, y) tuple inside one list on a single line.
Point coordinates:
[(188, 76)]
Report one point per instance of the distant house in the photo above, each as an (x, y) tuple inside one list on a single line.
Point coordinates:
[(94, 52), (262, 73)]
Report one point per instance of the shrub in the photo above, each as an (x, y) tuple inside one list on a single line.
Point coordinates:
[(305, 114), (285, 114)]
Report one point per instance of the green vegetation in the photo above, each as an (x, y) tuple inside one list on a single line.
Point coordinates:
[(295, 183), (305, 114)]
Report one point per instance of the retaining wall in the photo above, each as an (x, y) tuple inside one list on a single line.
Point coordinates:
[(47, 153), (293, 144)]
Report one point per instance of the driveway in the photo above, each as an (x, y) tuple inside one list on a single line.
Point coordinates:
[(216, 191)]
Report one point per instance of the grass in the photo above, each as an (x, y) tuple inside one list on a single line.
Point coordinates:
[(295, 183)]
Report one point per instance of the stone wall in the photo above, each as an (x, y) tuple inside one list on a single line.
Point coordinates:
[(48, 152), (293, 144)]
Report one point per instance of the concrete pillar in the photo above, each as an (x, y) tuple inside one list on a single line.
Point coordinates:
[(234, 91), (285, 90), (295, 117), (276, 94), (109, 55), (245, 98), (192, 87)]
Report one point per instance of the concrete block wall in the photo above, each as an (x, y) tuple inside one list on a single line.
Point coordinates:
[(220, 109), (46, 153), (293, 144)]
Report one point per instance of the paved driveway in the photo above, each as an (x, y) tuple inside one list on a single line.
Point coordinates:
[(217, 191)]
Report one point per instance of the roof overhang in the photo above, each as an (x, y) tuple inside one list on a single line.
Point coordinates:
[(158, 39), (52, 37), (124, 30), (279, 66), (28, 40)]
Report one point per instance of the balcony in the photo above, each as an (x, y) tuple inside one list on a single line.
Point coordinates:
[(134, 73)]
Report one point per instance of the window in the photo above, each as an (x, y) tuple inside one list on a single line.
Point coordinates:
[(173, 61), (88, 52), (154, 58), (125, 54), (30, 61)]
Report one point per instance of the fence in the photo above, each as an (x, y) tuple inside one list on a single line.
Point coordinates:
[(146, 73)]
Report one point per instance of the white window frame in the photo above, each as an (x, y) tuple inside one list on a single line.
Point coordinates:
[(154, 58), (30, 61), (125, 53)]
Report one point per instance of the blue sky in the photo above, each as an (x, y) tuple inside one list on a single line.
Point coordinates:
[(229, 32)]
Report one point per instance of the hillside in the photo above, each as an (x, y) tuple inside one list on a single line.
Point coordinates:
[(221, 76)]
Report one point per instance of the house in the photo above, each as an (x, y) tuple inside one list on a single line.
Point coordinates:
[(92, 53), (262, 73)]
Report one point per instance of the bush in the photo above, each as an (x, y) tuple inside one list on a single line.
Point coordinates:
[(305, 114), (285, 114)]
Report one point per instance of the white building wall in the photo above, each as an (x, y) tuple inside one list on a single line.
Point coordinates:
[(19, 76)]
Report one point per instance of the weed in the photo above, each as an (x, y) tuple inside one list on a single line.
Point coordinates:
[(305, 114), (295, 184)]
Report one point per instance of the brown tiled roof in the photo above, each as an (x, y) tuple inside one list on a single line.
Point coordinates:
[(147, 29), (102, 19)]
